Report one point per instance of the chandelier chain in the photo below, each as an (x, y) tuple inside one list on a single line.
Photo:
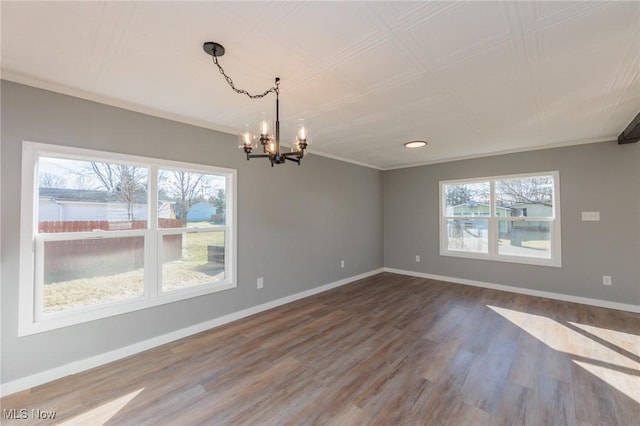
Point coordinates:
[(274, 89)]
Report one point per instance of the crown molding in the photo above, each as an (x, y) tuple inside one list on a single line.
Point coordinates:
[(130, 106), (505, 152), (27, 80), (107, 100)]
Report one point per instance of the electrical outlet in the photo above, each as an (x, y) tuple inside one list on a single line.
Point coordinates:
[(591, 216), (606, 280), (417, 258), (342, 263), (260, 283)]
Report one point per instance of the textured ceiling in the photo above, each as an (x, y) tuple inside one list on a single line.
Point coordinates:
[(471, 78)]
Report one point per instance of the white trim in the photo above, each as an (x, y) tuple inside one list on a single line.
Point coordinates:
[(50, 86), (529, 292), (26, 293), (57, 150), (588, 141), (98, 360), (20, 78), (31, 318), (344, 160), (151, 275), (492, 254)]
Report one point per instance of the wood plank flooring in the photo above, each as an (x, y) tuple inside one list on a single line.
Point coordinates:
[(386, 350)]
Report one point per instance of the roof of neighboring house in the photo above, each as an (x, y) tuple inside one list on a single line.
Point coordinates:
[(521, 205), (91, 195), (474, 204)]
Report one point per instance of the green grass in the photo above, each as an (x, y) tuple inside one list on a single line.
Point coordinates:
[(196, 250)]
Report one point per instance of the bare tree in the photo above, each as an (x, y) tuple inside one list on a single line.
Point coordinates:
[(50, 180), (186, 188), (122, 181), (526, 191), (464, 193)]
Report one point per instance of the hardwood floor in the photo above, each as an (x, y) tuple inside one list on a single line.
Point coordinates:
[(388, 349)]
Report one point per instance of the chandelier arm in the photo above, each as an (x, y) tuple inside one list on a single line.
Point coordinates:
[(258, 156), (293, 155), (295, 160), (273, 89)]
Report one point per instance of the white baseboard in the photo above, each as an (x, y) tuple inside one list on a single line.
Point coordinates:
[(98, 360), (538, 293)]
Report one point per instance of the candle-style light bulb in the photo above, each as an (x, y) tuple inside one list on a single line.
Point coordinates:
[(245, 137), (302, 131), (265, 126)]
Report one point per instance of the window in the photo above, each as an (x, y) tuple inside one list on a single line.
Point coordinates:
[(506, 218), (103, 234)]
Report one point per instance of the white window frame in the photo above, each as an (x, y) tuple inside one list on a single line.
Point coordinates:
[(493, 222), (32, 319)]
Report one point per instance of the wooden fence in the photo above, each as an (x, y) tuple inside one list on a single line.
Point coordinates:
[(74, 259), (104, 225)]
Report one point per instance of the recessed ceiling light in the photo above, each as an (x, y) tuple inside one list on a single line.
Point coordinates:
[(415, 144)]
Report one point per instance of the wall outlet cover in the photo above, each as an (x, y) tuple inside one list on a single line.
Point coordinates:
[(591, 216)]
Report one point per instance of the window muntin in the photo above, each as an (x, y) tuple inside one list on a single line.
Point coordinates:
[(509, 218), (93, 247)]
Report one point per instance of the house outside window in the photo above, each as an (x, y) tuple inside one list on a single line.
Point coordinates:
[(105, 233), (513, 218)]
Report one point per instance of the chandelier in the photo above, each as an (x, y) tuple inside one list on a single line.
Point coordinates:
[(268, 135)]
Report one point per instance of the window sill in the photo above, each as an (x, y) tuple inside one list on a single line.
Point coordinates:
[(553, 262), (59, 320)]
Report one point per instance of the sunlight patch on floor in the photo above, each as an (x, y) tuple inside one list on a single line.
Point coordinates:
[(625, 383), (627, 341), (102, 413), (615, 368)]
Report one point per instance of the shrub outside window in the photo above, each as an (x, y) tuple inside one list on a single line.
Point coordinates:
[(94, 245), (513, 218)]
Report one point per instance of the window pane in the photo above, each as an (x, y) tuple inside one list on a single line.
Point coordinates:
[(528, 238), (192, 258), (468, 235), (188, 199), (468, 199), (525, 197), (81, 273), (77, 196)]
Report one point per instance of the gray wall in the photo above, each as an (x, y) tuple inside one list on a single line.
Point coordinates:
[(295, 224), (295, 233), (602, 177)]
